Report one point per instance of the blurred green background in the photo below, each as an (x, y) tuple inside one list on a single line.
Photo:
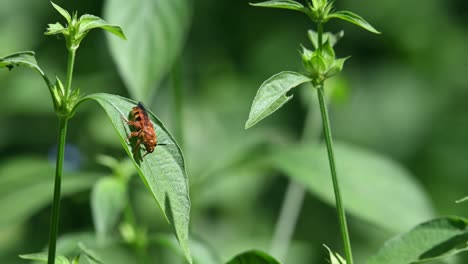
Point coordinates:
[(402, 94)]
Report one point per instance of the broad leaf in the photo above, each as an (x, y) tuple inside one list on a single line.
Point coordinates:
[(253, 257), (431, 240), (21, 178), (374, 188), (42, 257), (162, 171), (156, 31), (89, 22), (355, 19), (283, 4), (272, 95), (335, 258), (108, 199), (23, 58)]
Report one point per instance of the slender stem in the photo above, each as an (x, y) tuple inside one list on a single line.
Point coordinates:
[(176, 75), (58, 179), (290, 209), (71, 63), (336, 187), (319, 35)]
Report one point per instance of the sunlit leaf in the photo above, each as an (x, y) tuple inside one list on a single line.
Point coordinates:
[(162, 171), (43, 257), (355, 19), (62, 11), (335, 258), (374, 187), (272, 95), (89, 22), (283, 4), (108, 199), (26, 186), (156, 31), (428, 241), (253, 257), (462, 200)]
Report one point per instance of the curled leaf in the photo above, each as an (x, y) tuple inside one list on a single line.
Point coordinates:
[(355, 19)]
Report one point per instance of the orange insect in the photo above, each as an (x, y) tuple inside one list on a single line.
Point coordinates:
[(142, 129)]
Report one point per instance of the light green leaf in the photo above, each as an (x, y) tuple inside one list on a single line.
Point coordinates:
[(62, 11), (33, 177), (374, 187), (335, 258), (56, 28), (283, 4), (156, 37), (89, 22), (23, 58), (336, 67), (435, 239), (253, 257), (355, 19), (462, 200), (162, 171), (42, 257), (272, 95), (108, 199), (327, 36)]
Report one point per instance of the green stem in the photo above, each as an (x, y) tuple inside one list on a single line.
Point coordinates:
[(58, 179), (336, 187), (319, 35), (176, 75), (71, 63)]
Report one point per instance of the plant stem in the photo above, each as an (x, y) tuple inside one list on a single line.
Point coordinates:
[(71, 63), (58, 179), (176, 75), (319, 35), (336, 187)]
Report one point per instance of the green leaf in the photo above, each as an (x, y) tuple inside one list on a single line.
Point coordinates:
[(327, 36), (336, 68), (163, 171), (23, 58), (272, 95), (374, 188), (24, 178), (91, 256), (335, 258), (42, 257), (435, 239), (62, 11), (108, 199), (353, 18), (156, 37), (54, 29), (253, 257), (89, 22), (328, 53), (283, 4)]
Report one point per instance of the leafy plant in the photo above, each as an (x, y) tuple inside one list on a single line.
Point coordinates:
[(163, 172), (319, 65)]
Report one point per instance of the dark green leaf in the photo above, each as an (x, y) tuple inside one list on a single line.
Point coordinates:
[(355, 19), (431, 240), (374, 187), (156, 37), (62, 11), (283, 4), (108, 199), (253, 257), (31, 181), (42, 257), (162, 171), (272, 95), (89, 22)]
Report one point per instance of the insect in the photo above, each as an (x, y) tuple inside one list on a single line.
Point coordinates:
[(142, 129)]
